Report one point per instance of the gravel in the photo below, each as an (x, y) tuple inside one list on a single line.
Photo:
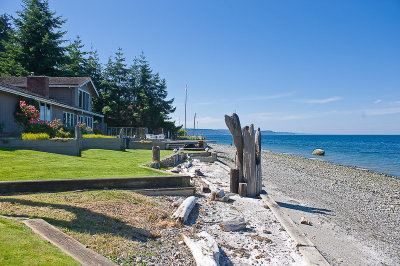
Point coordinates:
[(355, 213)]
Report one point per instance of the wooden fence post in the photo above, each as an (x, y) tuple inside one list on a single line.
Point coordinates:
[(242, 189)]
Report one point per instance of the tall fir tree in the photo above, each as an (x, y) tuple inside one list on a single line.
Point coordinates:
[(39, 34), (115, 91), (75, 61), (151, 108), (10, 50)]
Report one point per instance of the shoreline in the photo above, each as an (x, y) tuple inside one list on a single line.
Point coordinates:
[(355, 213), (321, 159)]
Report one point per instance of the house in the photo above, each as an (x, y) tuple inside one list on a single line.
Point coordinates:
[(66, 98)]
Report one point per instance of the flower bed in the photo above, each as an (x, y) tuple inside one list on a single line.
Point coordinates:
[(93, 136)]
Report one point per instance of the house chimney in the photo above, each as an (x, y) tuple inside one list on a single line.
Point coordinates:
[(38, 85)]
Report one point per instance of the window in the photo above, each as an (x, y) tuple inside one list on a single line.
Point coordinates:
[(45, 112), (69, 119), (84, 100)]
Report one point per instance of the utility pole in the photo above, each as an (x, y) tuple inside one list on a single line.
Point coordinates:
[(185, 105), (194, 123)]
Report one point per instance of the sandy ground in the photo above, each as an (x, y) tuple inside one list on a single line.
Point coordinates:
[(355, 214), (264, 242)]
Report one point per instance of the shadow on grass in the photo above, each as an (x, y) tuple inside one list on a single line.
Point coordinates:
[(86, 221), (304, 208)]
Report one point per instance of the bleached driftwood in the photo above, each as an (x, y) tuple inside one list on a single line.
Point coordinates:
[(219, 195), (234, 224), (233, 123), (183, 211), (258, 162), (249, 160), (205, 251)]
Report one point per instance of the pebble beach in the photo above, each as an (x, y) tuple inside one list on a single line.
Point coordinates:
[(354, 213)]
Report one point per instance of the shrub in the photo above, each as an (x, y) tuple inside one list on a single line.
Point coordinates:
[(61, 133), (182, 132), (32, 136), (93, 136), (85, 129), (146, 141)]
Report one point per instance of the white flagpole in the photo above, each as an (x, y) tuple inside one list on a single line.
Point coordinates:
[(185, 105)]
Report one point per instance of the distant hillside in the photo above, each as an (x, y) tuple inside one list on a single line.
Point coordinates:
[(218, 132)]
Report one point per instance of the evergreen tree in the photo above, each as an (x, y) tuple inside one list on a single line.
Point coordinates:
[(115, 91), (38, 34), (10, 50), (75, 61), (151, 109), (5, 31)]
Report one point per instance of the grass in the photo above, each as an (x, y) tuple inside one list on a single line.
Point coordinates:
[(20, 246), (33, 165), (106, 221), (33, 136), (93, 136)]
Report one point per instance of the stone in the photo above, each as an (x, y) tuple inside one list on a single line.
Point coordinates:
[(318, 152), (304, 221)]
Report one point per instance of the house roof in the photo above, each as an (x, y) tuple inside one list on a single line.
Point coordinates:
[(53, 81), (22, 91), (71, 81)]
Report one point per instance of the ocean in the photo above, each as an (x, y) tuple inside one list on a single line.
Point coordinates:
[(374, 152)]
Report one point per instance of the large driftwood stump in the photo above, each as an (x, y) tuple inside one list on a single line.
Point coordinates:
[(258, 161), (205, 251), (183, 211), (249, 160), (233, 123)]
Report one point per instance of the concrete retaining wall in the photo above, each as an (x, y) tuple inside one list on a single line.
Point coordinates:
[(145, 146), (68, 147), (115, 144), (94, 183)]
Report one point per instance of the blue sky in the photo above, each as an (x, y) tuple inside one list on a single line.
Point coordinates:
[(323, 67)]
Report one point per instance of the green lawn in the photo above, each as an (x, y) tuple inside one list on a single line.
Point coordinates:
[(107, 221), (34, 165), (20, 246)]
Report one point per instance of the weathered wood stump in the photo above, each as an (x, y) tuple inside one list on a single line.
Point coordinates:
[(243, 189), (156, 154), (234, 174), (248, 158), (233, 123)]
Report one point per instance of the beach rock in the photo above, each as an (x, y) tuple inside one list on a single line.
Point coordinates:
[(304, 221), (318, 152)]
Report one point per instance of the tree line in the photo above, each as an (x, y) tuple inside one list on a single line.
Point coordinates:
[(130, 94)]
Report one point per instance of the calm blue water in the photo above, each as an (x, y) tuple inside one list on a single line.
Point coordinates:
[(377, 153)]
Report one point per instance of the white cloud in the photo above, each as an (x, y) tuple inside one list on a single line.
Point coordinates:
[(378, 101), (326, 100), (268, 97), (384, 111)]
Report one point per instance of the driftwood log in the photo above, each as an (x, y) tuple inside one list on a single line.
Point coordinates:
[(205, 251), (233, 123), (234, 224), (183, 211), (248, 158)]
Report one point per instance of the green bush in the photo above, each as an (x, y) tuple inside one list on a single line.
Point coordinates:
[(93, 136), (32, 136), (182, 132), (61, 133)]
